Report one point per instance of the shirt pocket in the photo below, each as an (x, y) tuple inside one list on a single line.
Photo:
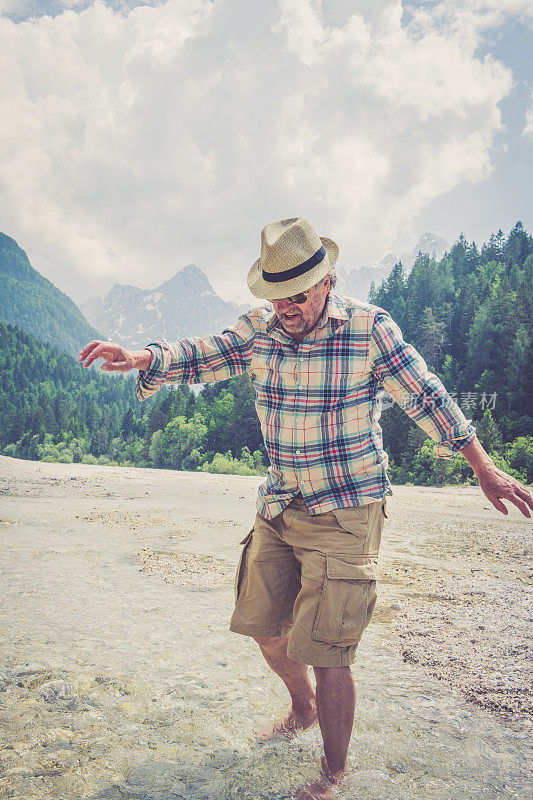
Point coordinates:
[(347, 601)]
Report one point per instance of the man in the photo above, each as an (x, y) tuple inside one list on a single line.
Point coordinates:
[(307, 576)]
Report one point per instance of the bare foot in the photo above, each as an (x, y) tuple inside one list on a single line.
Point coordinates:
[(292, 722), (323, 788)]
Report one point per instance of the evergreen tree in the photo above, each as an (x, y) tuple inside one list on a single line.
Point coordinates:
[(431, 338)]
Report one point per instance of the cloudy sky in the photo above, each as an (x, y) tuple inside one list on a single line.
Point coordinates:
[(139, 137)]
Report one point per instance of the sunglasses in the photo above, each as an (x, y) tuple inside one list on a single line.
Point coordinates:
[(300, 298)]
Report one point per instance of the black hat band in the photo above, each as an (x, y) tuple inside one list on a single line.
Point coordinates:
[(295, 272)]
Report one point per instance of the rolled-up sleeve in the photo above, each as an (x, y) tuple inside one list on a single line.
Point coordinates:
[(151, 380), (198, 360), (404, 374)]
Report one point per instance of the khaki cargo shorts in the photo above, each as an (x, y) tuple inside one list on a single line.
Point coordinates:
[(311, 577)]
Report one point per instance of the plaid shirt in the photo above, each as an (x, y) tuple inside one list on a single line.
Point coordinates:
[(318, 401)]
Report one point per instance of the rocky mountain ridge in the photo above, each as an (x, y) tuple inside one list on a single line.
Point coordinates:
[(182, 306)]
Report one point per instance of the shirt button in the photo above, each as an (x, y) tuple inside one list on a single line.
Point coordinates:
[(298, 452)]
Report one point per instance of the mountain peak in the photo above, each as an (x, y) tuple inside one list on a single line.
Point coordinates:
[(190, 269), (431, 243), (119, 291), (190, 279), (184, 305)]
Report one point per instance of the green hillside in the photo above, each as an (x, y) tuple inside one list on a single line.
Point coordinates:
[(33, 303), (46, 397)]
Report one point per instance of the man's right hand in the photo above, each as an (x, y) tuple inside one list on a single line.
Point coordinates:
[(116, 358)]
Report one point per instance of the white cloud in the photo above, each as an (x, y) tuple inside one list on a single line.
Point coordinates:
[(302, 23), (470, 18), (133, 143), (528, 128)]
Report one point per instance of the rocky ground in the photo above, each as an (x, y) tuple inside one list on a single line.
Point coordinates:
[(465, 597)]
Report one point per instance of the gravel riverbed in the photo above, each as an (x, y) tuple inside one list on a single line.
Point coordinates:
[(119, 678)]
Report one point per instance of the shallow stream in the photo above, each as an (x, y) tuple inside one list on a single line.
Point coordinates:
[(120, 681)]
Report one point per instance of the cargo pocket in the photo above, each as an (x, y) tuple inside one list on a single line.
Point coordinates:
[(241, 567), (353, 519), (346, 602)]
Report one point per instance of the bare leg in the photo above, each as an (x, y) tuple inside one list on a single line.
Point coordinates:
[(302, 713), (335, 694), (335, 689)]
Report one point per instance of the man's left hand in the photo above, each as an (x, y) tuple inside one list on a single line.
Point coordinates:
[(498, 486), (495, 483)]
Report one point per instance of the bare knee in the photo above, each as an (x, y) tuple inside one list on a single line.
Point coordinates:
[(335, 674), (271, 643)]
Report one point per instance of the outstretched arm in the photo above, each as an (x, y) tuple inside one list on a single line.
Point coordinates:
[(496, 484), (193, 360), (405, 375)]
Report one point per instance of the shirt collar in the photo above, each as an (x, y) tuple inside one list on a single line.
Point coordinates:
[(335, 308)]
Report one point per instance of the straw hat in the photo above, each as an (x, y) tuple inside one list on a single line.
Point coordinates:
[(293, 258)]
